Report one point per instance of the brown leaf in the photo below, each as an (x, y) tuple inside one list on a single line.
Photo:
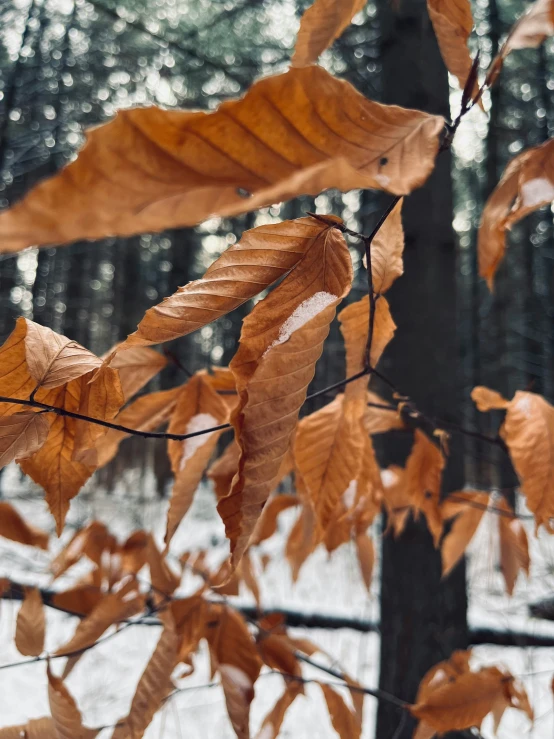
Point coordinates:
[(387, 249), (65, 714), (488, 400), (532, 28), (239, 694), (198, 408), (380, 420), (152, 169), (302, 540), (164, 580), (55, 360), (354, 321), (54, 466), (528, 431), (80, 600), (526, 185), (31, 624), (144, 414), (514, 547), (134, 553), (267, 523), (281, 340), (366, 557), (328, 453), (462, 703), (91, 541), (468, 506), (278, 653), (443, 672), (397, 498), (248, 576), (262, 256), (271, 725), (190, 615), (111, 609), (222, 471), (154, 684), (136, 367), (423, 478), (343, 719), (14, 527), (321, 24), (452, 22), (21, 435)]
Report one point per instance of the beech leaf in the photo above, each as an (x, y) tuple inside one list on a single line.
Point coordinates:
[(31, 624), (21, 435), (136, 366), (321, 24), (281, 340), (65, 714), (469, 508), (149, 169), (514, 547), (14, 527), (526, 185), (366, 557), (272, 723), (423, 477), (343, 719)]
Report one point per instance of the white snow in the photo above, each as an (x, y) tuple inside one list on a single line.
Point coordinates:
[(307, 310), (199, 422), (237, 676), (536, 192), (523, 404), (388, 478), (349, 495), (382, 179)]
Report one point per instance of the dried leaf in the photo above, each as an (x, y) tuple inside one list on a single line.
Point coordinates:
[(111, 609), (462, 703), (31, 624), (281, 340), (136, 367), (152, 169), (302, 540), (387, 249), (396, 497), (423, 477), (452, 22), (443, 672), (328, 453), (80, 600), (164, 580), (271, 725), (379, 420), (366, 557), (526, 185), (198, 408), (262, 256), (488, 400), (267, 523), (14, 527), (321, 24), (514, 547), (91, 541), (144, 414), (343, 719), (21, 435), (354, 321), (469, 507), (239, 694), (190, 615), (532, 28), (154, 684), (222, 471), (248, 576), (65, 714)]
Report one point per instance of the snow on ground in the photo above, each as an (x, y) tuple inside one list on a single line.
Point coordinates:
[(103, 681)]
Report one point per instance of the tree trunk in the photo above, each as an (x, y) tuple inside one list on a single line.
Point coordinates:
[(423, 618)]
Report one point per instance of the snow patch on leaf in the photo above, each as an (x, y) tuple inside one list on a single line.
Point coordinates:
[(523, 404), (537, 191), (349, 495), (388, 478), (199, 422), (307, 310)]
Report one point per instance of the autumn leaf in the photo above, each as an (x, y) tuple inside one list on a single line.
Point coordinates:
[(21, 435), (111, 609), (31, 625), (267, 523), (281, 340), (79, 600), (487, 400), (262, 256), (396, 497), (198, 408), (468, 506), (532, 28), (302, 540), (136, 367), (366, 557), (300, 132), (423, 479), (452, 22), (387, 250), (514, 547), (91, 541), (526, 185), (379, 416), (143, 414), (65, 714), (154, 684), (328, 454), (321, 24), (343, 719), (164, 580), (273, 721), (222, 471), (35, 728), (354, 320), (190, 615), (14, 527)]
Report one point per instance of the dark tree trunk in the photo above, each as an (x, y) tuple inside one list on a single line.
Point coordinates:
[(423, 618)]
